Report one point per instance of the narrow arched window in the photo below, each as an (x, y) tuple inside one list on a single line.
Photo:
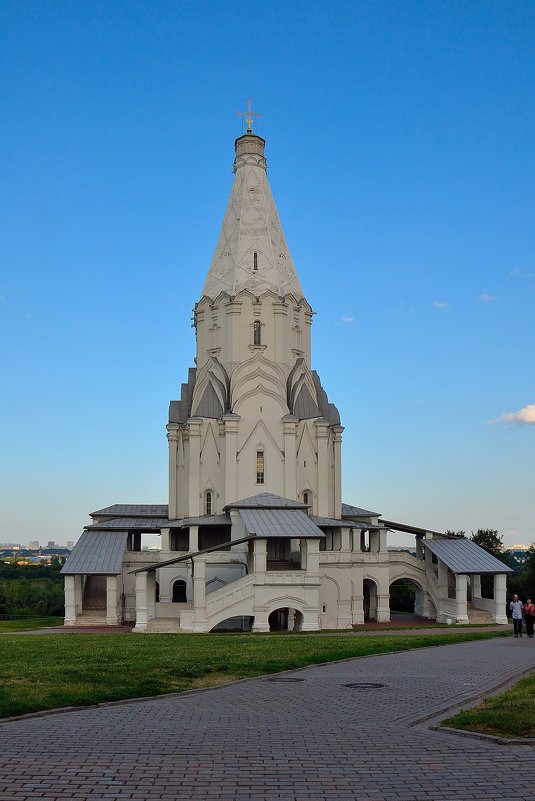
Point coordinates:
[(208, 504), (305, 500), (257, 333), (260, 467), (255, 261)]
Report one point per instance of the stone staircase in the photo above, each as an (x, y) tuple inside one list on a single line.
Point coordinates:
[(91, 619), (478, 617), (95, 594), (163, 625)]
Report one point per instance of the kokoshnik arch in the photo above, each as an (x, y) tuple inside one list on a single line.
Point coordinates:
[(255, 535)]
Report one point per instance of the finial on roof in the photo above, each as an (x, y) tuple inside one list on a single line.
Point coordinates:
[(248, 116)]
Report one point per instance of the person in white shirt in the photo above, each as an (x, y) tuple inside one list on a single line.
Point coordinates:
[(516, 606)]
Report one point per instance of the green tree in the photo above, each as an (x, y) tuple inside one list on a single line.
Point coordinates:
[(450, 533), (490, 541)]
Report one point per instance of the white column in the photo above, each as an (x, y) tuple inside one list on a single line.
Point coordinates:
[(165, 545), (460, 597), (193, 539), (70, 601), (312, 551), (199, 594), (338, 471), (322, 434), (79, 593), (194, 426), (290, 462), (259, 556), (112, 601), (231, 445), (172, 438), (141, 603), (383, 541), (500, 615)]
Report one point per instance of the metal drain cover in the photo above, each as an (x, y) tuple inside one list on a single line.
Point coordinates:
[(364, 685), (284, 679)]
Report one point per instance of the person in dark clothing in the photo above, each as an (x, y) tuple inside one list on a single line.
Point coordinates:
[(529, 616)]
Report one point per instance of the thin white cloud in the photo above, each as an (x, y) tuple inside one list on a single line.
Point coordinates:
[(524, 417), (348, 320), (486, 298), (439, 304), (518, 273)]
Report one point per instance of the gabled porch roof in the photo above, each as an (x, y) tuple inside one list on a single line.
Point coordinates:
[(464, 556)]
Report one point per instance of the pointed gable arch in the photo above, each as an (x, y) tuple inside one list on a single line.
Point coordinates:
[(211, 393), (260, 434)]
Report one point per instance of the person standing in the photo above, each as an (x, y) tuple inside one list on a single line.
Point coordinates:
[(529, 616), (516, 606)]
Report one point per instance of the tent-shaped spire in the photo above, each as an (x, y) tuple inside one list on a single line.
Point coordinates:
[(251, 252)]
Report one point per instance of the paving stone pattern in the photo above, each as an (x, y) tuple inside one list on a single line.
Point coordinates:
[(261, 740)]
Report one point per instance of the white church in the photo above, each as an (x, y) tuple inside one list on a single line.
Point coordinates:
[(255, 536)]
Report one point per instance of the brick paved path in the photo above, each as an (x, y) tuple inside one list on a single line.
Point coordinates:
[(261, 740)]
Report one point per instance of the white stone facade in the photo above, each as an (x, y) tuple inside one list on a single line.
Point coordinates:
[(253, 422)]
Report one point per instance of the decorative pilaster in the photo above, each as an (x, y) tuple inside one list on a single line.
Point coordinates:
[(322, 435), (337, 478), (290, 464), (383, 607), (231, 445), (194, 425), (172, 438)]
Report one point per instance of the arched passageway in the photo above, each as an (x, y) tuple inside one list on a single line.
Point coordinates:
[(285, 619), (406, 598), (369, 592)]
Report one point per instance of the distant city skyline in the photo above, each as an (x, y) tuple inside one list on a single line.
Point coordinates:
[(400, 153)]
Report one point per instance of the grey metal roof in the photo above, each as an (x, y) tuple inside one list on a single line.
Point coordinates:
[(97, 552), (133, 510), (331, 521), (126, 523), (464, 556), (356, 511), (204, 520), (266, 500), (279, 523)]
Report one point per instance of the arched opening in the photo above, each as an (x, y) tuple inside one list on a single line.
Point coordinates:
[(285, 619), (179, 592), (255, 261), (369, 591), (306, 499), (406, 599)]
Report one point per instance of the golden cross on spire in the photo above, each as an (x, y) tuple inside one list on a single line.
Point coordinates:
[(248, 115)]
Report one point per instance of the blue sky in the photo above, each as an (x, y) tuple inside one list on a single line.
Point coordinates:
[(400, 150)]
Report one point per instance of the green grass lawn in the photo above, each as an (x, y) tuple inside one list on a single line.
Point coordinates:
[(27, 624), (511, 714), (43, 672)]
